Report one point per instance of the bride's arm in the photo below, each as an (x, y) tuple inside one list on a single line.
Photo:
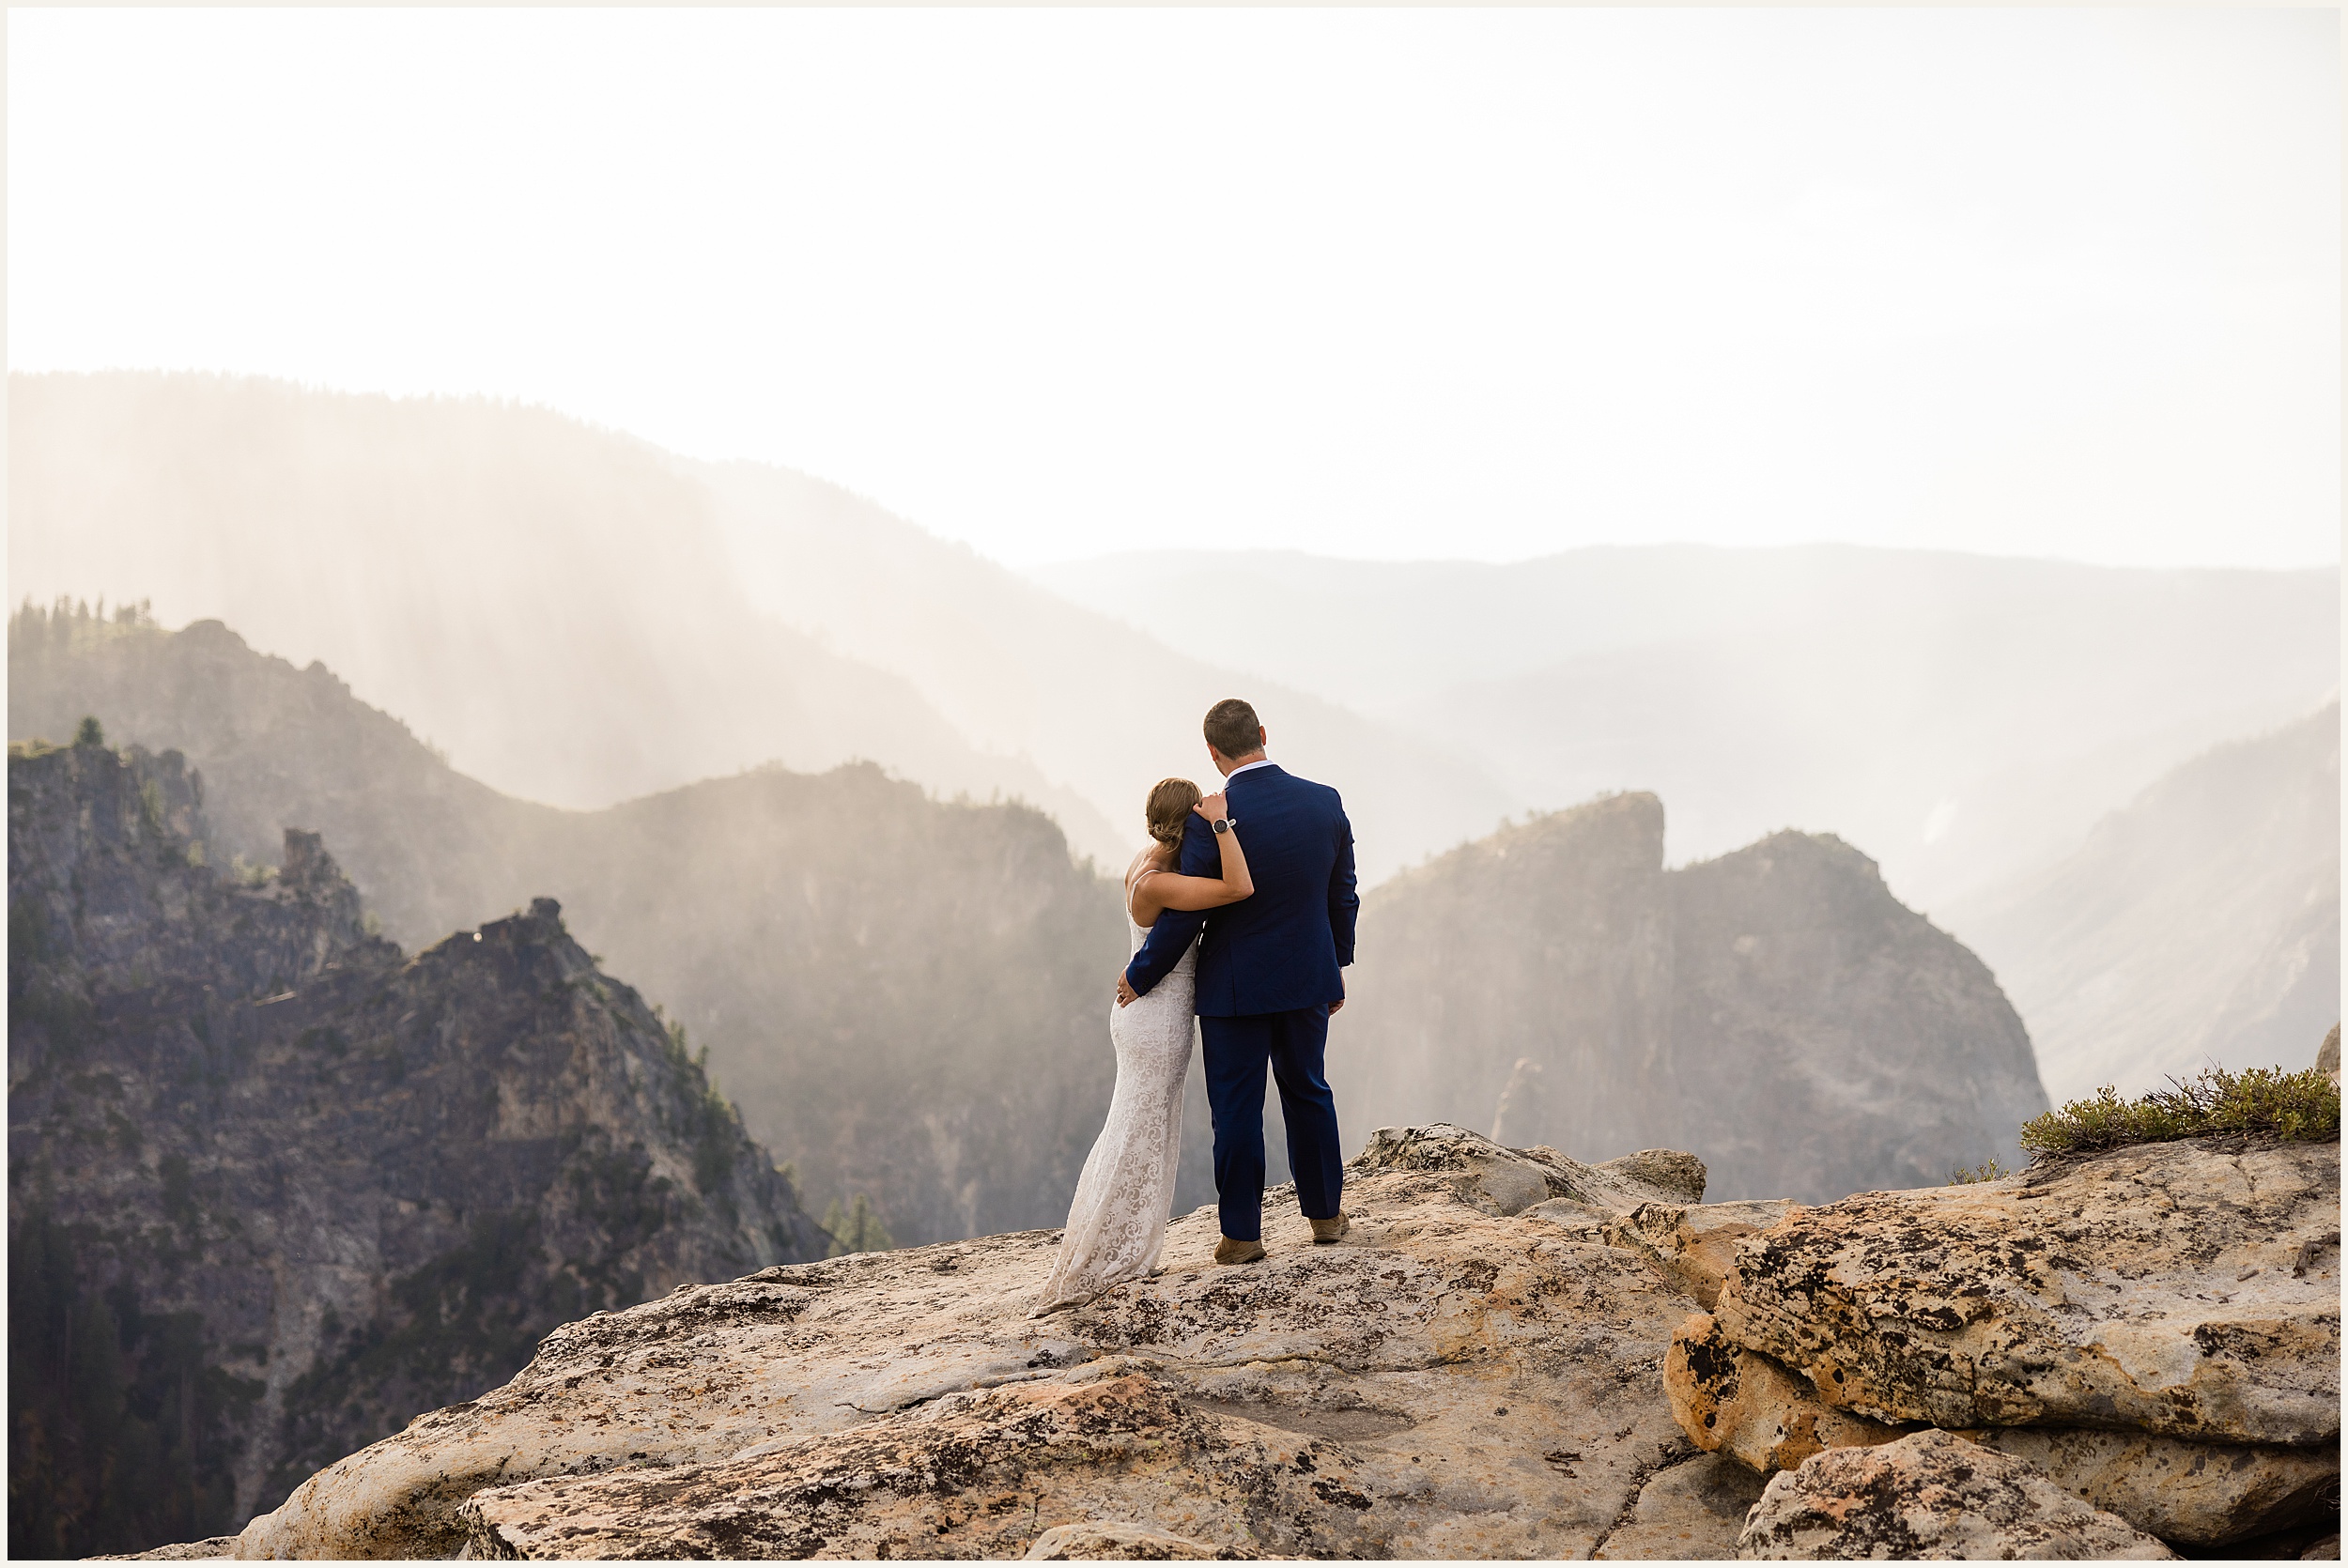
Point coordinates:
[(1169, 891)]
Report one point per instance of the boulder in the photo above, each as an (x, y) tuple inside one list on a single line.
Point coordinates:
[(2192, 1494), (1693, 1245), (1931, 1496), (2328, 1054), (1452, 1381), (1747, 1409), (2188, 1289), (1738, 1401), (1509, 1181), (1691, 1511)]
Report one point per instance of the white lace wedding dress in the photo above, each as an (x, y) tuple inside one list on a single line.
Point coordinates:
[(1118, 1223)]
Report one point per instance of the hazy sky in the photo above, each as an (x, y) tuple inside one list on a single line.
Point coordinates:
[(1384, 282)]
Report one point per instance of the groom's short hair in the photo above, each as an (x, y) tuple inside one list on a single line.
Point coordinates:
[(1233, 729)]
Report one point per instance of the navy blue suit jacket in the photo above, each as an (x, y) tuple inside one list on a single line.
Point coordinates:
[(1282, 947)]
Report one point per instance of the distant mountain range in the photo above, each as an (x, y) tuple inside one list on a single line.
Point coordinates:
[(2198, 924), (907, 998), (576, 617), (1963, 719), (573, 617)]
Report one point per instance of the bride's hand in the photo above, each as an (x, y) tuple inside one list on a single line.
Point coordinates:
[(1214, 805)]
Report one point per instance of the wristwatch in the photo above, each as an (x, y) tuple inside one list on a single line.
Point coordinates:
[(1225, 824)]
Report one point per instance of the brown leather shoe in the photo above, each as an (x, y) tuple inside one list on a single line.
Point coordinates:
[(1228, 1251), (1331, 1229)]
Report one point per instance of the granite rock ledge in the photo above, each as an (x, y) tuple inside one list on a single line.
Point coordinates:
[(1476, 1371)]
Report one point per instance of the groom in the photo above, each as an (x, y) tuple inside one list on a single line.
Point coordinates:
[(1267, 978)]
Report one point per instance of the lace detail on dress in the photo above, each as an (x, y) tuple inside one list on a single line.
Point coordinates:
[(1117, 1224)]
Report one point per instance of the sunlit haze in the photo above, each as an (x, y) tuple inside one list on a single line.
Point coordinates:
[(1385, 283)]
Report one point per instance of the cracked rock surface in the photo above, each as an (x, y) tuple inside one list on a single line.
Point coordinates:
[(2188, 1493), (1454, 1380), (1090, 1542), (1694, 1245), (1691, 1511), (2190, 1289), (1749, 1410), (1931, 1496), (1740, 1403)]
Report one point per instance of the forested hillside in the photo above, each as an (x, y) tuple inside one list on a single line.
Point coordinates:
[(276, 1187), (907, 997)]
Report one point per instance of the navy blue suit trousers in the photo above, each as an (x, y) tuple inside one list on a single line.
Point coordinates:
[(1237, 1051)]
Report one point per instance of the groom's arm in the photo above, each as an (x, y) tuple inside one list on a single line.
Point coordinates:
[(1170, 937), (1345, 904)]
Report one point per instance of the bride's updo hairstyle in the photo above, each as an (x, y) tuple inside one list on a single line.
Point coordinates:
[(1170, 800)]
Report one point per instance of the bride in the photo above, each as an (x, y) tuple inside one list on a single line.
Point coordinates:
[(1118, 1223)]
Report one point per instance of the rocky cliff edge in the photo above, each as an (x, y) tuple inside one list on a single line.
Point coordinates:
[(1477, 1372), (1503, 1360)]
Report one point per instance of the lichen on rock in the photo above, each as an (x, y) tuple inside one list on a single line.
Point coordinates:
[(2190, 1289), (1931, 1496), (1737, 1402), (1448, 1382)]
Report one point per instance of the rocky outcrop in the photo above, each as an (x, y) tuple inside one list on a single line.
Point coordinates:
[(1931, 1496), (1768, 1417), (2192, 1494), (1737, 1402), (276, 1186), (1694, 1245), (1502, 1180), (1481, 1369), (1776, 1008), (2154, 1330), (1453, 1381), (2186, 1288)]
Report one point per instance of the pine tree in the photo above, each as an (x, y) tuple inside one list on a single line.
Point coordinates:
[(856, 1228)]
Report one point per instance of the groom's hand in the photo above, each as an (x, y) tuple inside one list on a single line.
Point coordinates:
[(1337, 1007), (1125, 992)]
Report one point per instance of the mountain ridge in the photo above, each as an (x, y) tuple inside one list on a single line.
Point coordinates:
[(1775, 1008), (631, 610), (875, 973), (276, 1186)]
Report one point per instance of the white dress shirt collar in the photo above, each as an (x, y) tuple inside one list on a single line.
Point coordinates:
[(1245, 767)]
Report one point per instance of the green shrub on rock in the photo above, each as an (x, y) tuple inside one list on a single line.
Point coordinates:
[(2264, 1102)]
